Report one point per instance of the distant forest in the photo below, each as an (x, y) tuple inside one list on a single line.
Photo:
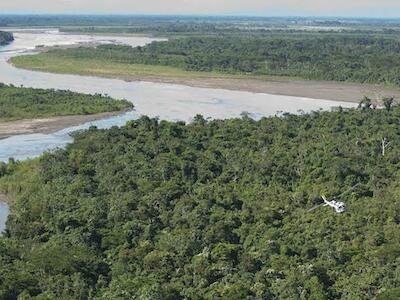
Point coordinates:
[(210, 210), (353, 58), (5, 38), (148, 20)]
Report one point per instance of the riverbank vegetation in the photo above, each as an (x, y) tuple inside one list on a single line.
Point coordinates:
[(18, 103), (5, 38), (332, 57), (210, 210)]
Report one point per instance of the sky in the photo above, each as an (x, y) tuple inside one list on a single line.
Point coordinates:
[(361, 8)]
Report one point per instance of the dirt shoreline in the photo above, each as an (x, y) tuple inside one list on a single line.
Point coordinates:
[(313, 89), (49, 125), (324, 90), (4, 198)]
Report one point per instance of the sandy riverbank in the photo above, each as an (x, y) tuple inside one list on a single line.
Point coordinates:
[(49, 125), (4, 198), (336, 91)]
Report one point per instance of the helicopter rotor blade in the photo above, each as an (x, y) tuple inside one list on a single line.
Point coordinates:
[(344, 193), (314, 208)]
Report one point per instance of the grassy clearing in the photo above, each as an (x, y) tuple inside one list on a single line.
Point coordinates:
[(54, 63)]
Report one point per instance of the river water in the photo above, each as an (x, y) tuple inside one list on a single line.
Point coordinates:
[(166, 101), (4, 211)]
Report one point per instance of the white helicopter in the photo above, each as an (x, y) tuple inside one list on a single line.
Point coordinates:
[(339, 207)]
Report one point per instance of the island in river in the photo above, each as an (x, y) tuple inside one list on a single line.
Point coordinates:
[(5, 38), (28, 110), (312, 65)]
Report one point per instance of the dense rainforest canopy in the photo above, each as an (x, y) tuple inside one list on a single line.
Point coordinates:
[(6, 38), (339, 57), (27, 103), (210, 210)]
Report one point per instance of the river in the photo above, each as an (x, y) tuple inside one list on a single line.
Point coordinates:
[(166, 101)]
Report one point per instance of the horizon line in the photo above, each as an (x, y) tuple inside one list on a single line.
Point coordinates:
[(21, 13)]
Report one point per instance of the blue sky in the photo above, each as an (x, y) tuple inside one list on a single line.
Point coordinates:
[(363, 8)]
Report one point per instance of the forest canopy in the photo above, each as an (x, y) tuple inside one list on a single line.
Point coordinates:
[(6, 38), (18, 103), (338, 57), (210, 210)]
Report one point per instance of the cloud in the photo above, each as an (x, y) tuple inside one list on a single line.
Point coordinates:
[(266, 7)]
